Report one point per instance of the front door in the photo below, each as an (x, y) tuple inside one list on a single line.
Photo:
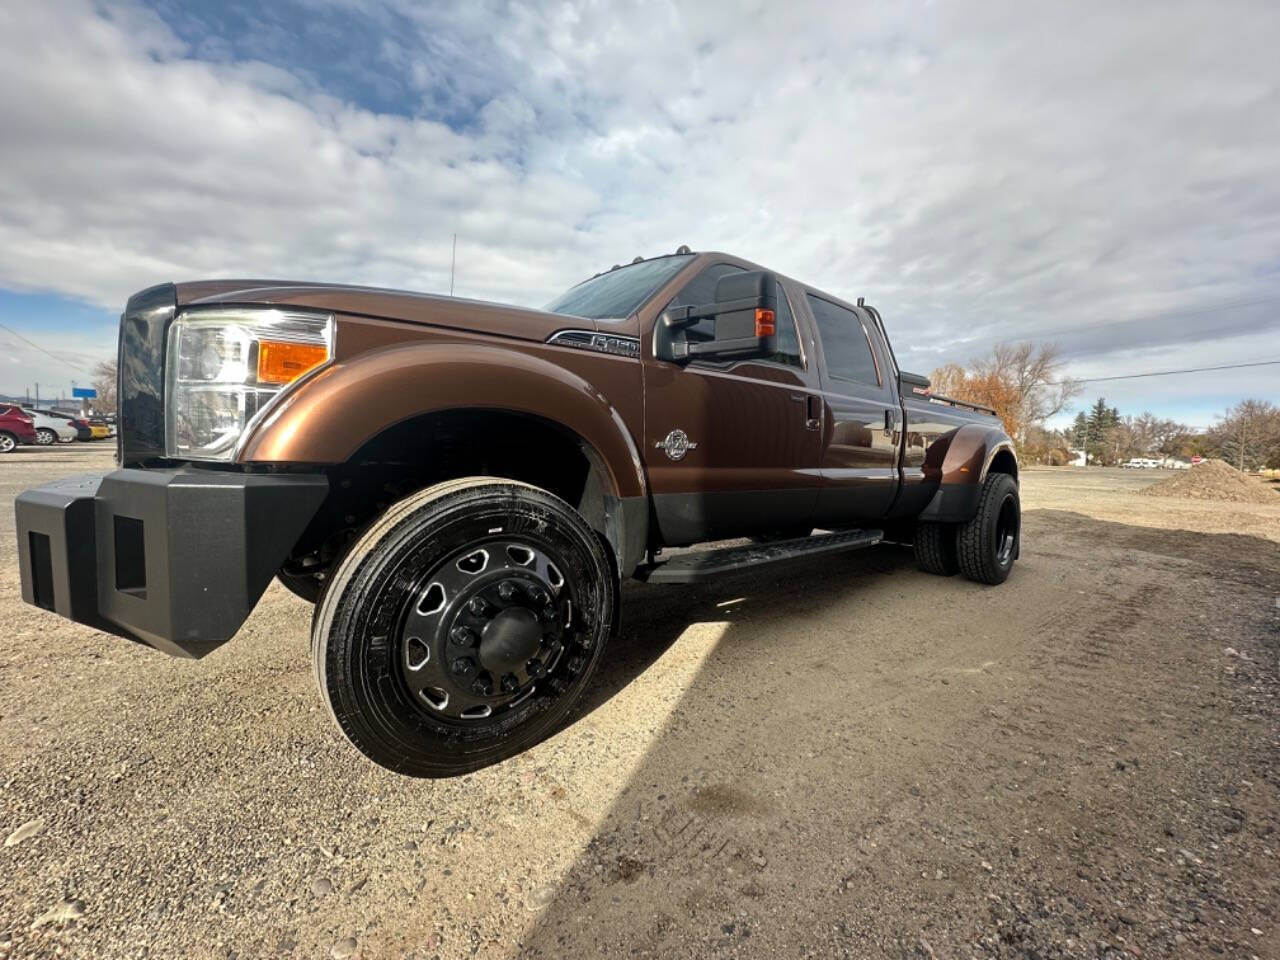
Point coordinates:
[(733, 448), (860, 458)]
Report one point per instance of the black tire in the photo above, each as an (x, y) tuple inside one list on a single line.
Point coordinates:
[(935, 548), (988, 543), (46, 437), (8, 442), (400, 614)]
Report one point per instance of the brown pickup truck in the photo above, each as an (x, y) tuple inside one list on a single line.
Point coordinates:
[(460, 487)]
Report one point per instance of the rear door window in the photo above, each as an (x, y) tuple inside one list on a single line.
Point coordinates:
[(844, 343)]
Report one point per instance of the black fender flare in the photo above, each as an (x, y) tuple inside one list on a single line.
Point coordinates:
[(961, 462)]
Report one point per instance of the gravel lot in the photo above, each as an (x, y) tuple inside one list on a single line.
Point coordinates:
[(844, 759)]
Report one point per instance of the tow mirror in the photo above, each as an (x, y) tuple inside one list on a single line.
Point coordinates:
[(744, 322)]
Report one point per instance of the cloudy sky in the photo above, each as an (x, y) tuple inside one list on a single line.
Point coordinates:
[(1103, 174)]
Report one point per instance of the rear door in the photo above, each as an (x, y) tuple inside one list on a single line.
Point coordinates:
[(862, 417), (733, 448)]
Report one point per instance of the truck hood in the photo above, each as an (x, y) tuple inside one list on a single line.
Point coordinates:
[(479, 316)]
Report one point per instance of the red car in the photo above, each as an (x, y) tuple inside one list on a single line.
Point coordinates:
[(15, 428)]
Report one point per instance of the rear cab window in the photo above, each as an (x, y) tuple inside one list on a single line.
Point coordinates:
[(846, 344)]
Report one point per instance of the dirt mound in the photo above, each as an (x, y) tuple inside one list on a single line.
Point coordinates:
[(1214, 480)]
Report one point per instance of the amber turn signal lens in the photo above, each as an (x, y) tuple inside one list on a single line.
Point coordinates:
[(281, 362), (765, 324)]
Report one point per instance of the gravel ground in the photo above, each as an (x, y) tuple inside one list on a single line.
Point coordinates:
[(840, 759)]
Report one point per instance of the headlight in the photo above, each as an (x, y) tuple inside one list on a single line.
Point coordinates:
[(226, 366)]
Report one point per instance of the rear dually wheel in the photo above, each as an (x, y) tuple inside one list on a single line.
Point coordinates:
[(987, 544), (935, 548)]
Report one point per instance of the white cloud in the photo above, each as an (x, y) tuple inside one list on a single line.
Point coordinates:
[(981, 171)]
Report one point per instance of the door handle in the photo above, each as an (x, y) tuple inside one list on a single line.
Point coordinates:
[(813, 410), (888, 423)]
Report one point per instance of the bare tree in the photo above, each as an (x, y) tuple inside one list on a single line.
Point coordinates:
[(1168, 436), (948, 381), (104, 381), (1034, 371), (1249, 434), (1023, 381)]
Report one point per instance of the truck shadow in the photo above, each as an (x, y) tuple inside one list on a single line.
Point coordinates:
[(655, 616), (842, 734)]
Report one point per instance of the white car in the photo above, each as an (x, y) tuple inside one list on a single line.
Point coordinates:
[(51, 427)]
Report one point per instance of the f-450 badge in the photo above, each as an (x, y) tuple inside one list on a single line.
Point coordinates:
[(676, 444)]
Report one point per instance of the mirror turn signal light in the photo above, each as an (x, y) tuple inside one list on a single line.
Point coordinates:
[(283, 362), (766, 325)]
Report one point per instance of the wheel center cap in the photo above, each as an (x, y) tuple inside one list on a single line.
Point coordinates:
[(510, 639)]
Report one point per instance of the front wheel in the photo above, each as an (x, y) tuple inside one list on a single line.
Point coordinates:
[(462, 626), (987, 544)]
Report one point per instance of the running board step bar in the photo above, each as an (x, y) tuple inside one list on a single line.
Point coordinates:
[(700, 565)]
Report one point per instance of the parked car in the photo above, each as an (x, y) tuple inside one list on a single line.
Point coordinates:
[(98, 427), (51, 427), (83, 430), (16, 427), (466, 535), (1141, 463)]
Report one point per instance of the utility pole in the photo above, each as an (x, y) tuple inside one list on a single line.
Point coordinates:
[(37, 395), (453, 263)]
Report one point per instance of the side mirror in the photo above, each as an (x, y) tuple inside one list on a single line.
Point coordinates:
[(744, 317)]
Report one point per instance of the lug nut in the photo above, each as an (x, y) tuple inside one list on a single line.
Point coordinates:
[(481, 686), (539, 596), (478, 606), (463, 636), (549, 614), (464, 666), (536, 669), (510, 684), (508, 590)]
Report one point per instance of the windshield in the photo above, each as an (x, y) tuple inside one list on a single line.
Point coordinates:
[(619, 292)]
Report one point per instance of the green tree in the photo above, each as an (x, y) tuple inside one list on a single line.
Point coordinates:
[(1100, 433), (1080, 430)]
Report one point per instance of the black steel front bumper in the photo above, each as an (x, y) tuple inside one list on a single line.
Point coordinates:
[(174, 558)]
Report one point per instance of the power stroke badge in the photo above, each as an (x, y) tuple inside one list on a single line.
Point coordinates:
[(676, 444)]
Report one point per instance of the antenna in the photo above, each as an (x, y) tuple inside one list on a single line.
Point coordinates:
[(453, 263)]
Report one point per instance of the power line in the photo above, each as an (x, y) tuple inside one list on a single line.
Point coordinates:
[(1168, 373), (37, 346)]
